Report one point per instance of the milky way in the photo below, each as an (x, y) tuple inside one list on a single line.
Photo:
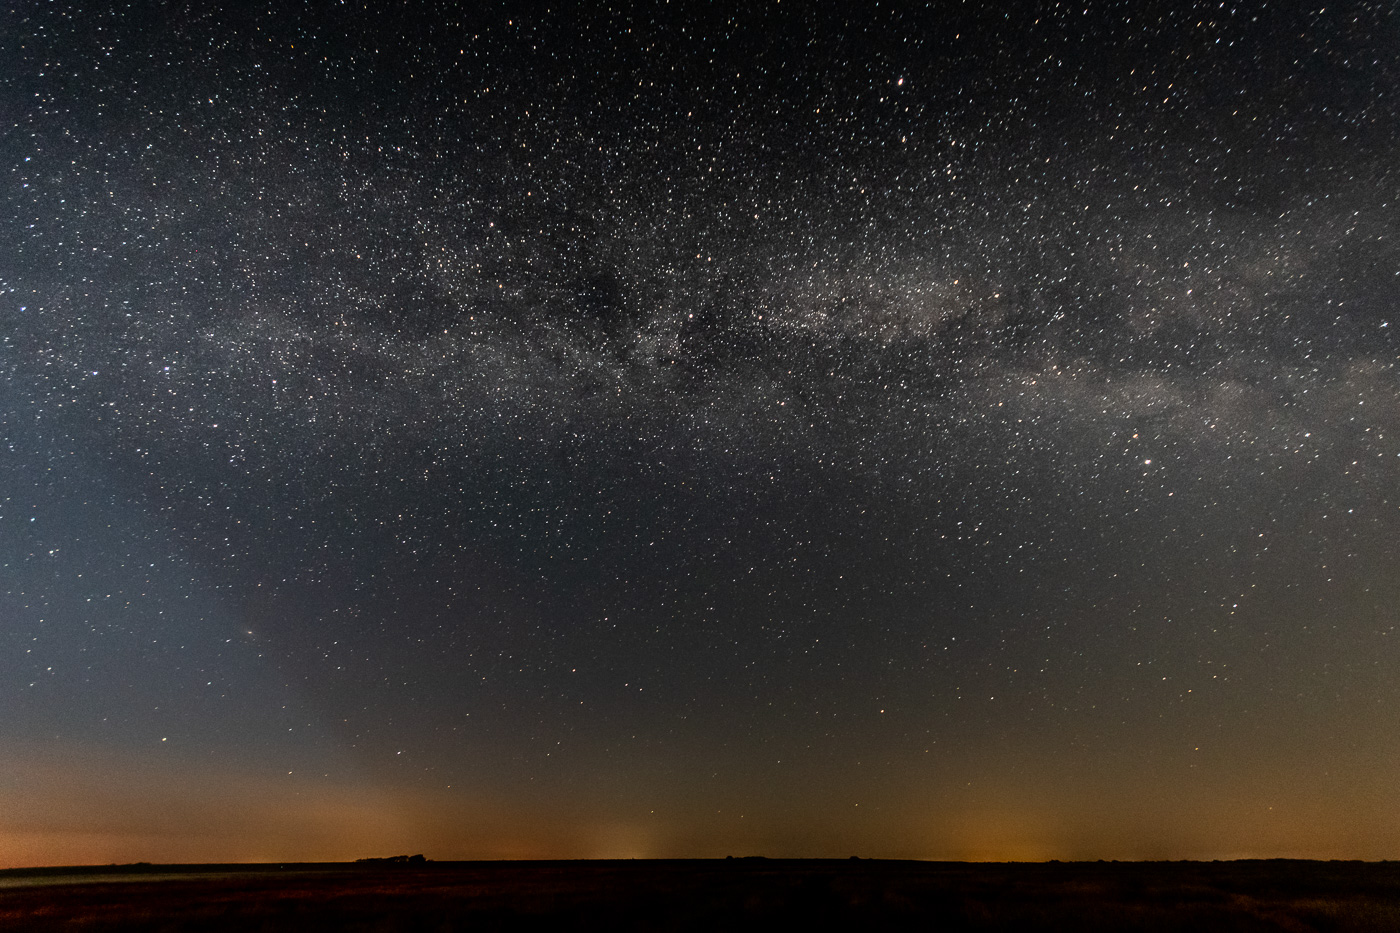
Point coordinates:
[(935, 432)]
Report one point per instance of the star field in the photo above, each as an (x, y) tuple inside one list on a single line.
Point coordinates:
[(946, 431)]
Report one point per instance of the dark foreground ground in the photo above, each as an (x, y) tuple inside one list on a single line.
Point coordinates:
[(739, 894)]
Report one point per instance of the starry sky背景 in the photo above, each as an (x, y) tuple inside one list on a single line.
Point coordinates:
[(942, 431)]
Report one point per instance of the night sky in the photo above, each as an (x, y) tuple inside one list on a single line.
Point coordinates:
[(955, 431)]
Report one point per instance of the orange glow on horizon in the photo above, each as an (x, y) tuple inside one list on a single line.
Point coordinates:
[(104, 808)]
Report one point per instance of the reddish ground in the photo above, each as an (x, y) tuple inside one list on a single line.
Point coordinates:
[(739, 894)]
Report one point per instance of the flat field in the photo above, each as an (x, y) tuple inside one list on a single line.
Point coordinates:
[(731, 894)]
